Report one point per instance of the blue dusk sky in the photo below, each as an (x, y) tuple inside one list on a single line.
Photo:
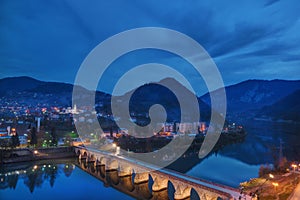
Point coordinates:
[(48, 40)]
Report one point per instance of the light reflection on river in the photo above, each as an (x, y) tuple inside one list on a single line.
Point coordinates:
[(50, 180), (239, 162)]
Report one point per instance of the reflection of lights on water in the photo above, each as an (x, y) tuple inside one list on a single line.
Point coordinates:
[(2, 179), (34, 168)]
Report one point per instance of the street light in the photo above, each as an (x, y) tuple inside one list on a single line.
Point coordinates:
[(275, 184), (294, 166), (271, 175)]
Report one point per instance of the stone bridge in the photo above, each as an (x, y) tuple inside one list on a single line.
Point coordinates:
[(121, 170)]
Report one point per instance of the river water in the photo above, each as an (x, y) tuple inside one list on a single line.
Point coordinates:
[(53, 180), (231, 165), (239, 162)]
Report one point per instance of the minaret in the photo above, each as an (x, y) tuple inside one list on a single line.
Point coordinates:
[(38, 124)]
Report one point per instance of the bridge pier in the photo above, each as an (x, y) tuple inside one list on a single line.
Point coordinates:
[(141, 177), (160, 183), (111, 165), (82, 157), (208, 195), (97, 163), (182, 192), (91, 159), (125, 170)]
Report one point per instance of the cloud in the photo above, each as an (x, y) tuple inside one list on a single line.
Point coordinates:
[(49, 40)]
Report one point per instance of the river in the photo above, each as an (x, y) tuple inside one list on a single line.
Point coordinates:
[(52, 180), (239, 162), (231, 165)]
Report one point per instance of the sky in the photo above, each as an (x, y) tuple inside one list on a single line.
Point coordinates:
[(48, 40)]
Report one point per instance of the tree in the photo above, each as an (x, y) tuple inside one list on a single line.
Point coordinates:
[(111, 131), (264, 169), (33, 140), (54, 137), (15, 140)]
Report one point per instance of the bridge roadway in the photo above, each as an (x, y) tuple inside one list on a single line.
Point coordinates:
[(183, 184)]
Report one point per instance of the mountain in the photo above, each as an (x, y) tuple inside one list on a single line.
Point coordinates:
[(17, 84), (276, 99), (252, 95), (287, 108), (164, 93), (29, 91)]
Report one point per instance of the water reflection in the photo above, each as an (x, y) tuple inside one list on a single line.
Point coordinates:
[(125, 184), (262, 143), (59, 179), (34, 175)]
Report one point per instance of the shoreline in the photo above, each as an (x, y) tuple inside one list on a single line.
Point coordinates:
[(9, 156)]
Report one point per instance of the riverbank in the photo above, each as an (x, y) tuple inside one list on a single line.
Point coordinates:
[(272, 187), (30, 154)]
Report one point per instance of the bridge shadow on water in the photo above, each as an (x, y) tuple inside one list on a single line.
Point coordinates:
[(126, 185)]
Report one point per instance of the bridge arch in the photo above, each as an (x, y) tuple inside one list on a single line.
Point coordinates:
[(77, 152), (171, 190), (85, 154), (194, 194)]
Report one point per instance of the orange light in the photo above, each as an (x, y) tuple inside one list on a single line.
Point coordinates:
[(275, 184)]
